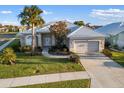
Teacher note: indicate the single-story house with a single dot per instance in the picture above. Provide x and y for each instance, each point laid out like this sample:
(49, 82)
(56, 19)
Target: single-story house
(80, 39)
(114, 33)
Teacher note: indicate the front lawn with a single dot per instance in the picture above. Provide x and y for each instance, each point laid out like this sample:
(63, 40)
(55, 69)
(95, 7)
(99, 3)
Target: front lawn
(118, 57)
(34, 65)
(81, 83)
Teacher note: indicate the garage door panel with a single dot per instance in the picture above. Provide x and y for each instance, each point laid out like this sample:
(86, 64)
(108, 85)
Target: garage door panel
(81, 47)
(86, 46)
(93, 46)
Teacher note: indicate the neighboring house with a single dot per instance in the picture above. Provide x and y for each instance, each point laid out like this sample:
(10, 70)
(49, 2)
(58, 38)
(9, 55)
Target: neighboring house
(80, 39)
(4, 29)
(114, 33)
(22, 28)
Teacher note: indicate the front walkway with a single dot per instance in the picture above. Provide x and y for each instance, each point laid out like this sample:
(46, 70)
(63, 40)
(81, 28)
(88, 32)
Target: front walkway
(45, 53)
(39, 79)
(6, 44)
(104, 72)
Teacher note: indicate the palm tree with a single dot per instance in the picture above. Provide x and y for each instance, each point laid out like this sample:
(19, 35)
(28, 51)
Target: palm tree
(30, 16)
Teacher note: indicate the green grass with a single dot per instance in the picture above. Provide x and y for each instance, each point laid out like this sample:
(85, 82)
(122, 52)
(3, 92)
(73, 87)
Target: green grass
(118, 57)
(8, 32)
(29, 65)
(81, 83)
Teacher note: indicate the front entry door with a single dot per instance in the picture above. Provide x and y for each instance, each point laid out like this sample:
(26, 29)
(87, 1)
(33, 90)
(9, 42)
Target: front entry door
(47, 41)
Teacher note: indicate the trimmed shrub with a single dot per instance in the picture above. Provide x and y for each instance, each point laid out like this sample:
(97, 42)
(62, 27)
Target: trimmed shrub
(74, 58)
(26, 49)
(15, 45)
(63, 50)
(107, 44)
(107, 52)
(123, 47)
(115, 47)
(8, 56)
(16, 48)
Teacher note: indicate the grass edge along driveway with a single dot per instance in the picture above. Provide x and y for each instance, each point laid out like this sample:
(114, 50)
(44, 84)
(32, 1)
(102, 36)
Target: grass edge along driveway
(118, 57)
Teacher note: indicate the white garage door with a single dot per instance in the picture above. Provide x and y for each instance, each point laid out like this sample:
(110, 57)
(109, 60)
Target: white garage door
(87, 46)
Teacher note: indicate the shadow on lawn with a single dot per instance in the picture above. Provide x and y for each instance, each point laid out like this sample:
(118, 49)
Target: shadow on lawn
(43, 62)
(112, 64)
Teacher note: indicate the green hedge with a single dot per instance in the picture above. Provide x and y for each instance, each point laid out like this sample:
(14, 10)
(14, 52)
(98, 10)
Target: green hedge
(15, 45)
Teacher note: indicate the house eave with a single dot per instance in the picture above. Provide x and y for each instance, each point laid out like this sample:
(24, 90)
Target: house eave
(97, 37)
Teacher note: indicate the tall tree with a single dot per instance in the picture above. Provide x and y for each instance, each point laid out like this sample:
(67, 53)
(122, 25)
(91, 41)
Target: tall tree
(30, 16)
(59, 30)
(79, 23)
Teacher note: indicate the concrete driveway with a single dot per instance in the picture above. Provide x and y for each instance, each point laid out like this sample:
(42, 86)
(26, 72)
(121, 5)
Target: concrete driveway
(104, 72)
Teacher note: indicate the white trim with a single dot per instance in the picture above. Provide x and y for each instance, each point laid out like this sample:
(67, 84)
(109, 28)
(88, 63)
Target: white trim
(75, 31)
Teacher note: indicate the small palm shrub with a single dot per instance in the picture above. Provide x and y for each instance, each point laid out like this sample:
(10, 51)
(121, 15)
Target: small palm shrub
(74, 58)
(8, 56)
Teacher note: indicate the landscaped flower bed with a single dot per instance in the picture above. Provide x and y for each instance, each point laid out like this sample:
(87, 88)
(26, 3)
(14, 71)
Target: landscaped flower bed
(118, 57)
(115, 55)
(54, 50)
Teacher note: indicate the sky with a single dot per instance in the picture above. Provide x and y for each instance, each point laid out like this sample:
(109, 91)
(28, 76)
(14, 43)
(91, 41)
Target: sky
(94, 14)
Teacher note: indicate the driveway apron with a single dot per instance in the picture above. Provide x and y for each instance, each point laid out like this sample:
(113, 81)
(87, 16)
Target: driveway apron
(104, 72)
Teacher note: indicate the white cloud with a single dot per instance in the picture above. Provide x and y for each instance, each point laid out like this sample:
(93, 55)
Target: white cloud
(47, 12)
(5, 12)
(111, 15)
(67, 19)
(70, 20)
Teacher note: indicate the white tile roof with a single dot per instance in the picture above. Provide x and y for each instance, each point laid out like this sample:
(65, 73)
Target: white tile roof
(45, 29)
(84, 32)
(113, 28)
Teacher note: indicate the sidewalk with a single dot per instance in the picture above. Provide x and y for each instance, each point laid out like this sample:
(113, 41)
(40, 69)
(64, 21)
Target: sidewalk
(39, 79)
(6, 44)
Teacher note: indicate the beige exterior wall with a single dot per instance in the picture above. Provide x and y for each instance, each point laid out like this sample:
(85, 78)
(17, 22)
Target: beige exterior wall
(72, 45)
(23, 39)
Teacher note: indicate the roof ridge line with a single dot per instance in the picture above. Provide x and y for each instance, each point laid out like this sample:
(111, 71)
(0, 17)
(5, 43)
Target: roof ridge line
(75, 31)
